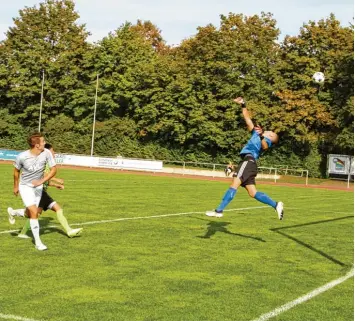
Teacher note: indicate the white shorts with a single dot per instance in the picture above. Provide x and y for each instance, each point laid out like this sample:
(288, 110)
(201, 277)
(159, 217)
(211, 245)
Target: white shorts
(30, 195)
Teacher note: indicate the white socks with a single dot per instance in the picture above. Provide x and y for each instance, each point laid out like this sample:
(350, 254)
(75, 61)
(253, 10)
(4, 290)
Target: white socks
(35, 230)
(19, 212)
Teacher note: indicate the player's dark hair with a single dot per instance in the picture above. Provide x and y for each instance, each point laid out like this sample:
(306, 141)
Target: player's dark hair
(47, 146)
(34, 139)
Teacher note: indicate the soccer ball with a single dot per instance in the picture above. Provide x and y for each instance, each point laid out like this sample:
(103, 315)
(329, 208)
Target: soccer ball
(318, 77)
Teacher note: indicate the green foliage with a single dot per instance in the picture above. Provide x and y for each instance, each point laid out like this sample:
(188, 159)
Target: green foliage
(12, 134)
(313, 161)
(322, 46)
(154, 101)
(44, 42)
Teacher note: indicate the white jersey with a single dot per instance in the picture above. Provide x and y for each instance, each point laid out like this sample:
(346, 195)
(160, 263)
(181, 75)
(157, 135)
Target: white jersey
(33, 166)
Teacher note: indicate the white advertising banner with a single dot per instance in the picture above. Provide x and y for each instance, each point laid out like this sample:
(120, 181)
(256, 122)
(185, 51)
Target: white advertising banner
(79, 160)
(105, 162)
(141, 164)
(110, 162)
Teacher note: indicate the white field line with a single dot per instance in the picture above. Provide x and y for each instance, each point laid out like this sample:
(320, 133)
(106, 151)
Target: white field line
(14, 317)
(144, 217)
(176, 214)
(305, 297)
(9, 231)
(264, 317)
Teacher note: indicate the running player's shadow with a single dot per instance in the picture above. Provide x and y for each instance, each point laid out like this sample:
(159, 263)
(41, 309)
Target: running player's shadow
(45, 227)
(213, 227)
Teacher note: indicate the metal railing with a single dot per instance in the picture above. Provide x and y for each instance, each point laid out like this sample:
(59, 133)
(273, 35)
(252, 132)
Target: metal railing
(274, 171)
(277, 171)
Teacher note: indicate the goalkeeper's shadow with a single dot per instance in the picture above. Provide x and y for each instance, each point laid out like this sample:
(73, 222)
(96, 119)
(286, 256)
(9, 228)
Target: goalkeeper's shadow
(220, 226)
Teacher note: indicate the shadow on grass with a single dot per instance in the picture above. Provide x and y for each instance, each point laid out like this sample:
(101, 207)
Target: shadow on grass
(280, 230)
(213, 227)
(45, 228)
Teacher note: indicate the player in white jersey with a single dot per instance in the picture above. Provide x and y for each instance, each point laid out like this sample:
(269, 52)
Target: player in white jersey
(29, 178)
(46, 203)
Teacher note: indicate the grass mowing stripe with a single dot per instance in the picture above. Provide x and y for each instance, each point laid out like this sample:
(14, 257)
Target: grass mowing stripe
(14, 317)
(306, 297)
(144, 217)
(318, 211)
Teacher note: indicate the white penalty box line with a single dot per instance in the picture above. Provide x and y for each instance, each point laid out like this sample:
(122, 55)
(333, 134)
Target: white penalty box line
(189, 213)
(263, 317)
(14, 317)
(145, 217)
(306, 297)
(161, 216)
(284, 307)
(175, 214)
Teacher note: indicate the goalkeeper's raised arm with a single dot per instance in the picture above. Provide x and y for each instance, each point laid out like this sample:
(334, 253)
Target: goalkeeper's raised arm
(245, 112)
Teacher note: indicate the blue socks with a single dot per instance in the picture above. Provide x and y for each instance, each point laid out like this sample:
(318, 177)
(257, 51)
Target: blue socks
(229, 195)
(227, 198)
(263, 198)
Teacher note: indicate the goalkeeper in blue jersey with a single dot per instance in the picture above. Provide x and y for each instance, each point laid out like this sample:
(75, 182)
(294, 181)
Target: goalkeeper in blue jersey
(46, 203)
(247, 168)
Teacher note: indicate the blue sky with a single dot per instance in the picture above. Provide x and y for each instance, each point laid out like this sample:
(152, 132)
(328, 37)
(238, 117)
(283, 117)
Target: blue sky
(179, 19)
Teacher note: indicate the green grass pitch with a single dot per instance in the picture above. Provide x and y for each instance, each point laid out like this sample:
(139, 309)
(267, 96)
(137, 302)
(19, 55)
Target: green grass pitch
(148, 252)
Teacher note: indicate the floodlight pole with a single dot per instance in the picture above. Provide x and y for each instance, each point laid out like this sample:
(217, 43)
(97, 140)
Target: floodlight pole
(93, 125)
(40, 108)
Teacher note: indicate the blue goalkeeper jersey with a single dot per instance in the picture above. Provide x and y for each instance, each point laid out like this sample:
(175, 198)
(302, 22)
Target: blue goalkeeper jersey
(253, 146)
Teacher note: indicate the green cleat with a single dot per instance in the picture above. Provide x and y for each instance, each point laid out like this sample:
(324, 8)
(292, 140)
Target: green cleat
(23, 236)
(75, 232)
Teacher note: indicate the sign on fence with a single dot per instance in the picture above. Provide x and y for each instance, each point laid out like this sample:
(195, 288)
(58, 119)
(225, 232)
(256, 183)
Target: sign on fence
(8, 154)
(106, 162)
(340, 164)
(88, 161)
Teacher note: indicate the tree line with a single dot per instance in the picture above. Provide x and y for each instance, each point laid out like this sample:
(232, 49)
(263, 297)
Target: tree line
(175, 103)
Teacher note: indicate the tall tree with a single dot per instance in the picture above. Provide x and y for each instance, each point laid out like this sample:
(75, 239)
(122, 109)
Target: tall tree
(216, 65)
(45, 40)
(124, 61)
(151, 33)
(319, 111)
